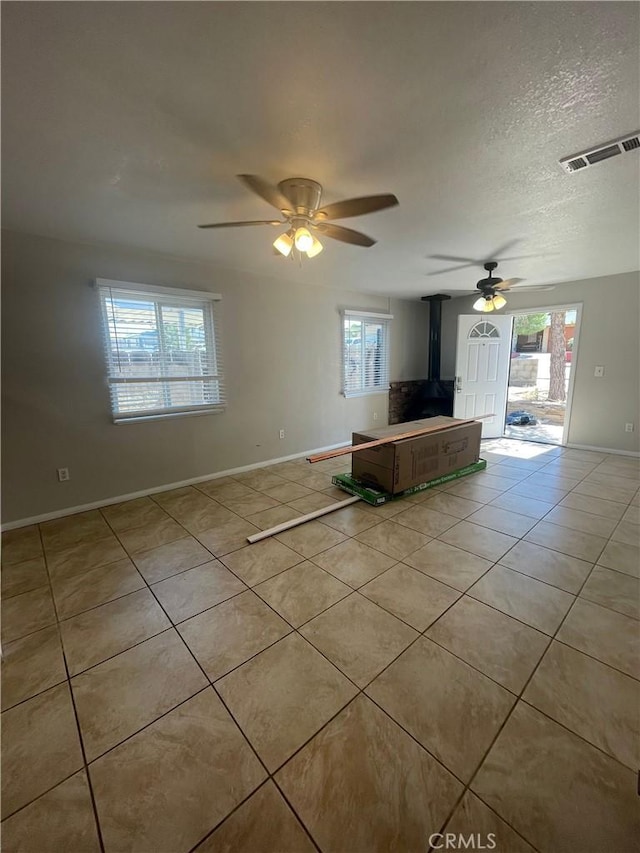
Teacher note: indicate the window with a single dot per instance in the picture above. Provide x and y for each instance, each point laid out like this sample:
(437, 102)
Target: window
(484, 330)
(162, 351)
(365, 352)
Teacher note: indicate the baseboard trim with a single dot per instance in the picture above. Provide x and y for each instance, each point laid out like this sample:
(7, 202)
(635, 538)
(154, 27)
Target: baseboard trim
(633, 453)
(73, 510)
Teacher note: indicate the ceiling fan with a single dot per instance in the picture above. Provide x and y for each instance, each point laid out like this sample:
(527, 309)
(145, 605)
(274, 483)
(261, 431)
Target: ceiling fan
(492, 288)
(298, 200)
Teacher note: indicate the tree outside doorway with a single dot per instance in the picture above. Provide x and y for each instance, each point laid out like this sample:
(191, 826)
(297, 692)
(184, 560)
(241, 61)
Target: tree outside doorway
(557, 350)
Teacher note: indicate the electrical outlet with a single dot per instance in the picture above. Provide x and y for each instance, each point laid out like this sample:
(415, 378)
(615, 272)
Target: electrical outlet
(375, 416)
(63, 475)
(628, 427)
(281, 433)
(599, 371)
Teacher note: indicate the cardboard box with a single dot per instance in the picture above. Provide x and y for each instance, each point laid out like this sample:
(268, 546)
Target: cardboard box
(405, 463)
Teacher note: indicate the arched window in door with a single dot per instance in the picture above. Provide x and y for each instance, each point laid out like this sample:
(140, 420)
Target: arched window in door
(484, 329)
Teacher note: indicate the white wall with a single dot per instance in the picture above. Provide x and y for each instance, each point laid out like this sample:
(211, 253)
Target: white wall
(609, 335)
(281, 347)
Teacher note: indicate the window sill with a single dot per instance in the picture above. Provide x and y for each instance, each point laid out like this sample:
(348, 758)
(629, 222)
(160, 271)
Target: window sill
(137, 419)
(367, 393)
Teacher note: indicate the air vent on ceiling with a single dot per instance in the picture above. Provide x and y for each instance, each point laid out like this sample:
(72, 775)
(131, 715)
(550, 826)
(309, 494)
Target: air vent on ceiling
(596, 155)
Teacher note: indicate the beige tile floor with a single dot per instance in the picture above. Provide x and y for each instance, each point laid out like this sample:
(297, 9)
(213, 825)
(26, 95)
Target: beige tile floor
(464, 661)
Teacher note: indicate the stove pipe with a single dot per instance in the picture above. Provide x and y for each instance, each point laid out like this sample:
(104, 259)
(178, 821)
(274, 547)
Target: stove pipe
(435, 333)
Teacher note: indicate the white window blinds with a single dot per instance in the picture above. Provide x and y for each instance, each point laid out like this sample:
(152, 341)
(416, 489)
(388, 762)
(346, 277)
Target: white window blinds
(162, 350)
(365, 352)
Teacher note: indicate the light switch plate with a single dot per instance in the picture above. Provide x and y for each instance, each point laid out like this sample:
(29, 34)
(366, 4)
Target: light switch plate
(599, 371)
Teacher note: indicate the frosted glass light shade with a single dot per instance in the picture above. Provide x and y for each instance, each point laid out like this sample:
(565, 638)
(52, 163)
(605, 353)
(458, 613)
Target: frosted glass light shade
(499, 301)
(284, 244)
(478, 305)
(303, 240)
(316, 248)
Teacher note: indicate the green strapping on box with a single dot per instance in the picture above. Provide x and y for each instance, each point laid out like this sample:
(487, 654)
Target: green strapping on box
(376, 497)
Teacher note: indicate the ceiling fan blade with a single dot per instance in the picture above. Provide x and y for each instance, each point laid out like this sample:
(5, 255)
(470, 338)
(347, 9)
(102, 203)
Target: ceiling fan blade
(451, 269)
(528, 288)
(270, 194)
(468, 262)
(516, 258)
(472, 262)
(248, 222)
(346, 235)
(507, 284)
(356, 206)
(496, 254)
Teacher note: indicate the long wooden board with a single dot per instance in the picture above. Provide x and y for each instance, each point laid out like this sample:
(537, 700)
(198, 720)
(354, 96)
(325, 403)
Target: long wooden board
(287, 525)
(367, 445)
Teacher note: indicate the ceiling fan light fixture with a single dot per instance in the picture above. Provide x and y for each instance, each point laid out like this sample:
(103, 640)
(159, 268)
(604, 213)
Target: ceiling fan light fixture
(499, 301)
(284, 244)
(315, 249)
(489, 302)
(303, 239)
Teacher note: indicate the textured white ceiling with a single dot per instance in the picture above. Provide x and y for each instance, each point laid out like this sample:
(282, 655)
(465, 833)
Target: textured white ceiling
(126, 123)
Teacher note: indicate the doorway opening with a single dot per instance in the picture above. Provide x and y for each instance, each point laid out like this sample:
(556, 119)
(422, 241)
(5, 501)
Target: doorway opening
(543, 350)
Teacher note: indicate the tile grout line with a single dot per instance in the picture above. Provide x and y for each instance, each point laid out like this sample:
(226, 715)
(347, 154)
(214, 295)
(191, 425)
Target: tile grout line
(290, 804)
(75, 709)
(264, 783)
(600, 749)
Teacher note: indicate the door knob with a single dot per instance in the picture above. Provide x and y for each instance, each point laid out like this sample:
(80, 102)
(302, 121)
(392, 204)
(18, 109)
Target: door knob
(458, 384)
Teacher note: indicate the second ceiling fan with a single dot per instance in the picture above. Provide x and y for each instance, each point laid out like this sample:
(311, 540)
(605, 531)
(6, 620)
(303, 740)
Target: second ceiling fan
(492, 288)
(298, 200)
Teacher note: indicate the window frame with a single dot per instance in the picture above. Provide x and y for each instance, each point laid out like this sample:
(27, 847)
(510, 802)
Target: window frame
(163, 297)
(378, 318)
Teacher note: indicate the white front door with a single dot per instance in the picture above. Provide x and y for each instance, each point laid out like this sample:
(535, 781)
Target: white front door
(482, 370)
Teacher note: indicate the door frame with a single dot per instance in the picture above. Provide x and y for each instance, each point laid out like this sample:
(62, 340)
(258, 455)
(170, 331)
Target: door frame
(549, 309)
